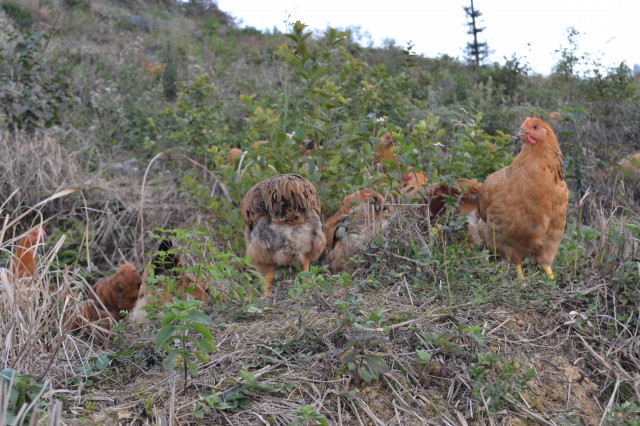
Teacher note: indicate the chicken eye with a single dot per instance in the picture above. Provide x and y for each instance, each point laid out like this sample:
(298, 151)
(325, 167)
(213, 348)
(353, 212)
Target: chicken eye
(535, 127)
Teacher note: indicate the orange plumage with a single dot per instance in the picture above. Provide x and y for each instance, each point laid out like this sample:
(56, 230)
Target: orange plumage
(384, 154)
(466, 191)
(522, 208)
(24, 264)
(356, 223)
(110, 296)
(282, 224)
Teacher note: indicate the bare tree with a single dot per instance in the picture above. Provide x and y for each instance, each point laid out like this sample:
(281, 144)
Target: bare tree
(477, 51)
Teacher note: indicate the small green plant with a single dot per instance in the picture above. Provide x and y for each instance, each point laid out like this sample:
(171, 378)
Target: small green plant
(95, 369)
(309, 284)
(237, 398)
(306, 415)
(625, 414)
(22, 17)
(497, 380)
(184, 336)
(21, 391)
(33, 90)
(358, 357)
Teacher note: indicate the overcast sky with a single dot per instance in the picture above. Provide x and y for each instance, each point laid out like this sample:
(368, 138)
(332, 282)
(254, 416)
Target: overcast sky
(530, 30)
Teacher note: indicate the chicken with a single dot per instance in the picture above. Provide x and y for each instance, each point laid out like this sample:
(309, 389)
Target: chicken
(467, 191)
(384, 153)
(111, 295)
(522, 208)
(436, 195)
(168, 279)
(23, 265)
(412, 181)
(356, 223)
(282, 225)
(233, 155)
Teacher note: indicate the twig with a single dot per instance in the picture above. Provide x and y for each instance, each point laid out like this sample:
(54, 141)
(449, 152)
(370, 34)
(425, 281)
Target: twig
(595, 354)
(406, 284)
(383, 329)
(610, 404)
(493, 330)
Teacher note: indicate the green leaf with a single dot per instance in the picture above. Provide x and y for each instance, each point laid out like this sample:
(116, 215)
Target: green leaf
(102, 362)
(366, 375)
(201, 317)
(423, 356)
(202, 329)
(206, 346)
(347, 355)
(169, 363)
(168, 317)
(376, 363)
(164, 334)
(247, 376)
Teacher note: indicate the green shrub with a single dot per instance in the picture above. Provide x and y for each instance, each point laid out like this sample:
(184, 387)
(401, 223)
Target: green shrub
(22, 17)
(83, 5)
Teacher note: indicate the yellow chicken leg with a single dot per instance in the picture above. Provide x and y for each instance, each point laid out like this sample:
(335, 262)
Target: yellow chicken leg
(519, 271)
(547, 270)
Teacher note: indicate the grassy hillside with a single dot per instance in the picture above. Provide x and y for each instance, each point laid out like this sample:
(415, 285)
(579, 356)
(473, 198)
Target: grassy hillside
(116, 121)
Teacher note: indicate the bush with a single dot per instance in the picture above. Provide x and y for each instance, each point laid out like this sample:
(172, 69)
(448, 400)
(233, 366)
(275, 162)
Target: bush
(22, 17)
(83, 5)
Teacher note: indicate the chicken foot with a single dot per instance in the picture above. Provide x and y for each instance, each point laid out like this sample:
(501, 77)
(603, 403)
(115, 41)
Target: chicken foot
(547, 270)
(267, 272)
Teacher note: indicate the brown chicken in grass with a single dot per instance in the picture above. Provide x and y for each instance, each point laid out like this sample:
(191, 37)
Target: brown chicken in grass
(110, 296)
(436, 196)
(282, 225)
(466, 192)
(24, 264)
(522, 208)
(362, 215)
(384, 154)
(169, 280)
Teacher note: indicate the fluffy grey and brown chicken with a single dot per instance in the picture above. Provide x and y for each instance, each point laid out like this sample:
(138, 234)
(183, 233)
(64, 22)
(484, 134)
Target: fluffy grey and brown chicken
(282, 225)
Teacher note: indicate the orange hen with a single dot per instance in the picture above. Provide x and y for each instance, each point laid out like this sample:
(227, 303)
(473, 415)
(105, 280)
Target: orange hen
(356, 223)
(522, 208)
(111, 295)
(282, 225)
(24, 264)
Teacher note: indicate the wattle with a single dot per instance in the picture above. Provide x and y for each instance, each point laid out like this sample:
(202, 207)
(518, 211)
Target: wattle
(531, 140)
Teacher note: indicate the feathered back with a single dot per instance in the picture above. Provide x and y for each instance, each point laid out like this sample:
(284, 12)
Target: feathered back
(119, 291)
(287, 198)
(364, 205)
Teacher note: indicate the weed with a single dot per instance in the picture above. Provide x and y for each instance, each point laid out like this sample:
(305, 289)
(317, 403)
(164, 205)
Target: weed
(180, 319)
(360, 361)
(21, 394)
(496, 381)
(307, 415)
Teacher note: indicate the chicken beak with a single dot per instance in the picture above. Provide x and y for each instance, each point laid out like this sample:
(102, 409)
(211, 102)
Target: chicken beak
(521, 132)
